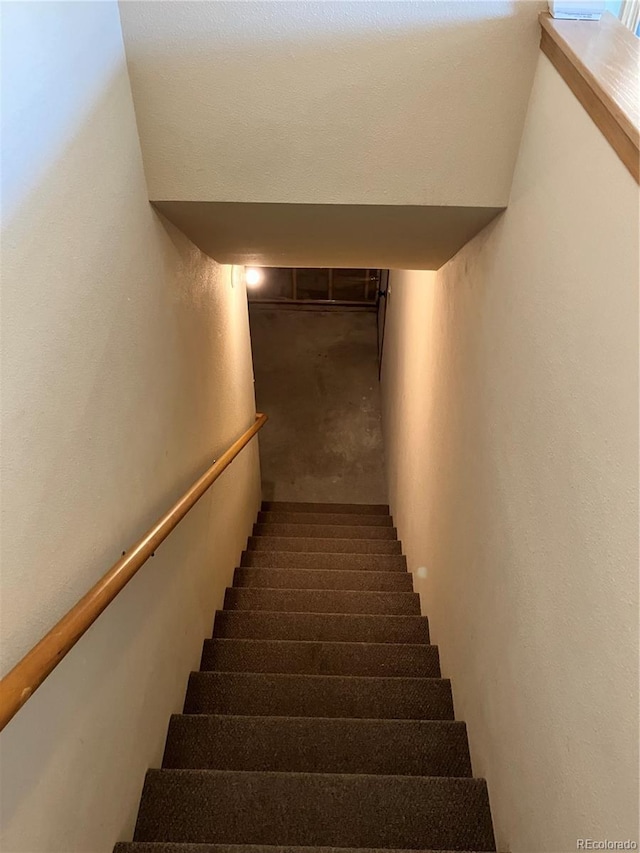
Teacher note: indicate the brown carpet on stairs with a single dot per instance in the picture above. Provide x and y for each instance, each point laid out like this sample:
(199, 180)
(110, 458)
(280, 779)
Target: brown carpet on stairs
(319, 721)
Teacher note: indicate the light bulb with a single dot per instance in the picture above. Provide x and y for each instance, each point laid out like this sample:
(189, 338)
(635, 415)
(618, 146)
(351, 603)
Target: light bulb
(252, 276)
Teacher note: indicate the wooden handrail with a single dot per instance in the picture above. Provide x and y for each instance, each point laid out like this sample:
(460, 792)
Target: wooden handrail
(599, 61)
(27, 675)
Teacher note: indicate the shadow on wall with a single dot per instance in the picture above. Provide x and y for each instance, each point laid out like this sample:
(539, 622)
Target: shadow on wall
(32, 64)
(316, 375)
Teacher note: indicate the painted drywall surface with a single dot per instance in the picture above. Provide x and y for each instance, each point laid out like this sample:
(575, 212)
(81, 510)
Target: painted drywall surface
(331, 103)
(510, 413)
(317, 377)
(325, 235)
(126, 369)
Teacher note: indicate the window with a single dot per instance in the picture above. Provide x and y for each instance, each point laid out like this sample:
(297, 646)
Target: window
(304, 284)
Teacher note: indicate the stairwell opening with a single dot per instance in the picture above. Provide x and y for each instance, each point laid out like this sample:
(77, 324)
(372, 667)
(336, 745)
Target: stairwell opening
(314, 337)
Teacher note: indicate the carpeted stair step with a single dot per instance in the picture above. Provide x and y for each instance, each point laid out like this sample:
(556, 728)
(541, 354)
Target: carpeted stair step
(348, 519)
(321, 658)
(322, 601)
(318, 745)
(350, 562)
(306, 808)
(327, 546)
(268, 694)
(335, 579)
(318, 722)
(336, 627)
(177, 847)
(325, 531)
(303, 506)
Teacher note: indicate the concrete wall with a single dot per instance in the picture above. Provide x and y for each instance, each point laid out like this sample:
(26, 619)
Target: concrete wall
(126, 368)
(317, 378)
(392, 103)
(510, 406)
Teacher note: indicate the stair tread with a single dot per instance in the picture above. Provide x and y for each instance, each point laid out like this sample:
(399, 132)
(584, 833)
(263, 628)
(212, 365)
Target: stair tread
(324, 560)
(304, 695)
(322, 600)
(329, 545)
(336, 579)
(330, 809)
(318, 744)
(348, 627)
(324, 531)
(320, 657)
(307, 506)
(343, 518)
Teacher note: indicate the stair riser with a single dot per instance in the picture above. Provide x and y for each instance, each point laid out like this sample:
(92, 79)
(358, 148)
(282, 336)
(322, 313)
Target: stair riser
(325, 531)
(349, 562)
(314, 579)
(347, 519)
(348, 811)
(358, 659)
(323, 601)
(316, 745)
(337, 627)
(352, 509)
(256, 694)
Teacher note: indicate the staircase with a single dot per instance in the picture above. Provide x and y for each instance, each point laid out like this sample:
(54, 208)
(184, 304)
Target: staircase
(318, 718)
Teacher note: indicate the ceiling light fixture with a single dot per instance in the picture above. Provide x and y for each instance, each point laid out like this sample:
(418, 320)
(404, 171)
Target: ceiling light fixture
(253, 276)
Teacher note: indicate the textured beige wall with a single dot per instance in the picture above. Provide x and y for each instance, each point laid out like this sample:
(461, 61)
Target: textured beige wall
(126, 368)
(390, 103)
(510, 412)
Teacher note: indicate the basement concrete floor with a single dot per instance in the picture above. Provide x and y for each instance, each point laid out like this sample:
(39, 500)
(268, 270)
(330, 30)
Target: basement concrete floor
(316, 376)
